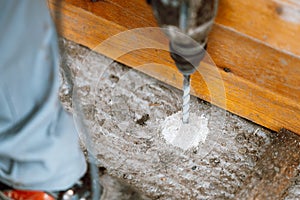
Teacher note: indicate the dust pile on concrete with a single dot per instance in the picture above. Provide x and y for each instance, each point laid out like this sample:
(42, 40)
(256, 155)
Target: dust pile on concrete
(185, 136)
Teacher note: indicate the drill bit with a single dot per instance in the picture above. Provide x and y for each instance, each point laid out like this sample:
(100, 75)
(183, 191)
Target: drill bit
(186, 99)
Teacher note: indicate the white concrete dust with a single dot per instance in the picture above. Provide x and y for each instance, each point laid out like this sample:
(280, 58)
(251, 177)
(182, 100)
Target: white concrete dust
(185, 136)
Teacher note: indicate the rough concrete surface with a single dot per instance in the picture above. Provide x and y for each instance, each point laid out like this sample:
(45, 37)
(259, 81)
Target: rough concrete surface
(119, 113)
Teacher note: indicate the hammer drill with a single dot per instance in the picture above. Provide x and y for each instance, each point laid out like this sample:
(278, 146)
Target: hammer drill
(187, 24)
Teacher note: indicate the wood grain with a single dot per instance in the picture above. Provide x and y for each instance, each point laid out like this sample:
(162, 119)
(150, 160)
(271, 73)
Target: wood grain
(273, 22)
(255, 77)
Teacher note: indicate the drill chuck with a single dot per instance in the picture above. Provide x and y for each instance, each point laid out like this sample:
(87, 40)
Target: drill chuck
(187, 23)
(186, 63)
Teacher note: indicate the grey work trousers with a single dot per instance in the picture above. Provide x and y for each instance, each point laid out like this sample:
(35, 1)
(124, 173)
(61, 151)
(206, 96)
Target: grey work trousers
(39, 147)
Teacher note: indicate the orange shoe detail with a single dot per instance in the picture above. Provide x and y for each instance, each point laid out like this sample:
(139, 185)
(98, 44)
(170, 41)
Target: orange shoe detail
(27, 195)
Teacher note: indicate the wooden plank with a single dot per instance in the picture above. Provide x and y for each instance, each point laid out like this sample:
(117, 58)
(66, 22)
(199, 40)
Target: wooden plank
(259, 19)
(256, 62)
(261, 83)
(123, 13)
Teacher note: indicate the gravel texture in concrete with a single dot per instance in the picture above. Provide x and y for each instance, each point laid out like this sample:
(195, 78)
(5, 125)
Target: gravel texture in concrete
(120, 114)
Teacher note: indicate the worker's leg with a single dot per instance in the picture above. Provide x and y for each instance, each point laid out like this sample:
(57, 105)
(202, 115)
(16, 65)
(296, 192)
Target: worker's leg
(38, 143)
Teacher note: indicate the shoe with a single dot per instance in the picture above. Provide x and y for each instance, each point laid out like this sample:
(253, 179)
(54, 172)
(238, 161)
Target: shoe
(83, 189)
(24, 195)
